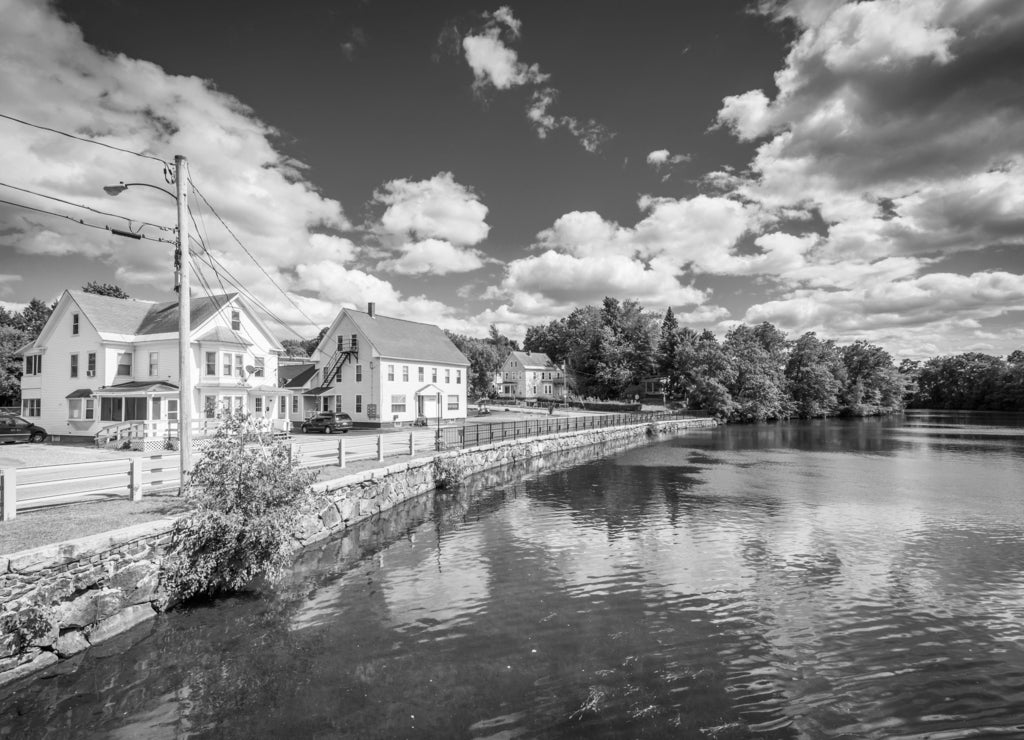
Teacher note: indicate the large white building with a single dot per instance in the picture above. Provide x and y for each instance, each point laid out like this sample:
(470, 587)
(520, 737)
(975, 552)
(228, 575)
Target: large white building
(382, 370)
(100, 361)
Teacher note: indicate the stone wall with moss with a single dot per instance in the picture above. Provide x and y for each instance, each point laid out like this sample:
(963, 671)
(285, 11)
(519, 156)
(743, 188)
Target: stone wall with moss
(58, 600)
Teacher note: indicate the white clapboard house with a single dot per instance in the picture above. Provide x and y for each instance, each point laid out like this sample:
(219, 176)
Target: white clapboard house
(103, 362)
(382, 370)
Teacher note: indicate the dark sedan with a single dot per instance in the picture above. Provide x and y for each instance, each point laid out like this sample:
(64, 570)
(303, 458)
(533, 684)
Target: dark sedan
(16, 429)
(328, 423)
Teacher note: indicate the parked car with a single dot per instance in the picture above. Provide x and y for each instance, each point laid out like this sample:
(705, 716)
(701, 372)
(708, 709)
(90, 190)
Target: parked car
(328, 423)
(15, 429)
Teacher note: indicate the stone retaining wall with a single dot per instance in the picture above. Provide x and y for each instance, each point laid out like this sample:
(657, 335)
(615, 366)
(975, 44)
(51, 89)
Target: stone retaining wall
(58, 600)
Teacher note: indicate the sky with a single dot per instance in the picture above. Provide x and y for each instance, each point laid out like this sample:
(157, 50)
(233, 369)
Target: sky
(855, 169)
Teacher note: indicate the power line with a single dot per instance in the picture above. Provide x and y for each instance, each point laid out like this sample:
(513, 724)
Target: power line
(81, 138)
(216, 273)
(255, 261)
(214, 264)
(87, 208)
(82, 222)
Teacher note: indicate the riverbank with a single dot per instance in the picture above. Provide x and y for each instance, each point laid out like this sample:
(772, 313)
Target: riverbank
(60, 599)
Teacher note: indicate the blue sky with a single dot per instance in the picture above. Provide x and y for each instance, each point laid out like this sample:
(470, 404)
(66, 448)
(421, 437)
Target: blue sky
(853, 169)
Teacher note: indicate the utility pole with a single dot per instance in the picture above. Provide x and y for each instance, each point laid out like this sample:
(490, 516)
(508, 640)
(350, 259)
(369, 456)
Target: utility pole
(184, 324)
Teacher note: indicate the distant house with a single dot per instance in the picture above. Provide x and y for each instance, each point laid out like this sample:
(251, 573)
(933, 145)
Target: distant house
(531, 376)
(101, 361)
(382, 370)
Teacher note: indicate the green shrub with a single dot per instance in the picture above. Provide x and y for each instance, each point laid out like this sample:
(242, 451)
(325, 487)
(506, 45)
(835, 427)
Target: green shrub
(448, 471)
(248, 496)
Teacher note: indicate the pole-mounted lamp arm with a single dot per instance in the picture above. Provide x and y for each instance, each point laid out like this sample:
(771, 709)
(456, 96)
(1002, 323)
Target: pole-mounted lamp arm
(118, 189)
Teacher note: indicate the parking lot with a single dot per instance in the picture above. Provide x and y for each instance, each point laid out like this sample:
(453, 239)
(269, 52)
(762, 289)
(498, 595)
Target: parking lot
(60, 453)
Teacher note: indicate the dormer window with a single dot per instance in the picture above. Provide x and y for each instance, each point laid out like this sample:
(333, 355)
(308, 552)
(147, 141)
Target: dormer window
(74, 323)
(236, 320)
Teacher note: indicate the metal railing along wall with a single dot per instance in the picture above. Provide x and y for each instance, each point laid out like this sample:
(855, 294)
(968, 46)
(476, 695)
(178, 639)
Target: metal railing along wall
(474, 435)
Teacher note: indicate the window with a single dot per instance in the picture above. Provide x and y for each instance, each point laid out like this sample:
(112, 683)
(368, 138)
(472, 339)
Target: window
(211, 363)
(341, 343)
(419, 373)
(156, 408)
(448, 375)
(74, 365)
(239, 370)
(398, 403)
(259, 404)
(325, 404)
(172, 409)
(91, 367)
(338, 375)
(30, 406)
(33, 364)
(209, 406)
(260, 366)
(359, 404)
(453, 403)
(338, 406)
(405, 373)
(355, 343)
(124, 363)
(295, 404)
(154, 364)
(236, 321)
(458, 377)
(359, 373)
(80, 408)
(111, 409)
(391, 372)
(239, 403)
(226, 369)
(433, 375)
(74, 323)
(283, 406)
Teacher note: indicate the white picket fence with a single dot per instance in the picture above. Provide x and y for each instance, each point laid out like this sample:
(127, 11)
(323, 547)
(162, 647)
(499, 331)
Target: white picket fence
(32, 487)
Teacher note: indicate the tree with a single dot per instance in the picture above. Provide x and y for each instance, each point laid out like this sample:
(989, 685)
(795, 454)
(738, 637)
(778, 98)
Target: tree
(758, 355)
(33, 318)
(310, 345)
(873, 384)
(814, 376)
(107, 289)
(11, 339)
(295, 347)
(668, 342)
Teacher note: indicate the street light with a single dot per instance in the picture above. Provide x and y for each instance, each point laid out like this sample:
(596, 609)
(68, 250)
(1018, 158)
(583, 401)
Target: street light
(184, 308)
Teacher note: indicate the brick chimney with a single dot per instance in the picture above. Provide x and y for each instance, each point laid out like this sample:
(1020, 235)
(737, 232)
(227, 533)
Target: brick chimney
(371, 308)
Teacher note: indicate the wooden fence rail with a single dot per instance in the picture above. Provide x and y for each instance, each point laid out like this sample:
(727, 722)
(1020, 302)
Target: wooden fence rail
(33, 487)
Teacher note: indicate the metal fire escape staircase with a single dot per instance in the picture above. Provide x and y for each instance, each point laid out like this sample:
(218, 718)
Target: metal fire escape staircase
(343, 354)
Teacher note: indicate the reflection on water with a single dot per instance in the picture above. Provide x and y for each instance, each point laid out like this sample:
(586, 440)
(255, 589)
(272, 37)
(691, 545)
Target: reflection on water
(837, 579)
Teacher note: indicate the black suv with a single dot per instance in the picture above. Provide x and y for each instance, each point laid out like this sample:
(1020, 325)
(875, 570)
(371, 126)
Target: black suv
(328, 423)
(15, 429)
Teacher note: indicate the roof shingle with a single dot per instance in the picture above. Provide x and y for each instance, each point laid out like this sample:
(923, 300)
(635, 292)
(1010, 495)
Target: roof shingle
(407, 340)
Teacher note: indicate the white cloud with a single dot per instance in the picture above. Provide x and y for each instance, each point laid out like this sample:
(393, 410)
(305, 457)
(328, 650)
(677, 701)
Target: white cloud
(663, 157)
(496, 65)
(438, 208)
(434, 257)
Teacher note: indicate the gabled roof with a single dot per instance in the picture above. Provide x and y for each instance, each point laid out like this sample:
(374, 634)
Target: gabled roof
(128, 316)
(407, 340)
(222, 335)
(295, 376)
(533, 360)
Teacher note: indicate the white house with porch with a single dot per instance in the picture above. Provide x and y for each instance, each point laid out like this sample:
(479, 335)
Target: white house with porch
(102, 361)
(381, 370)
(531, 376)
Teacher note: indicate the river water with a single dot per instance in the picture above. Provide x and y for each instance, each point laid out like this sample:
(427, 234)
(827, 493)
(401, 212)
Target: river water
(825, 579)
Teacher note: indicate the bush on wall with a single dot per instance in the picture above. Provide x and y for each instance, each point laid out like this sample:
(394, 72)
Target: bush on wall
(248, 496)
